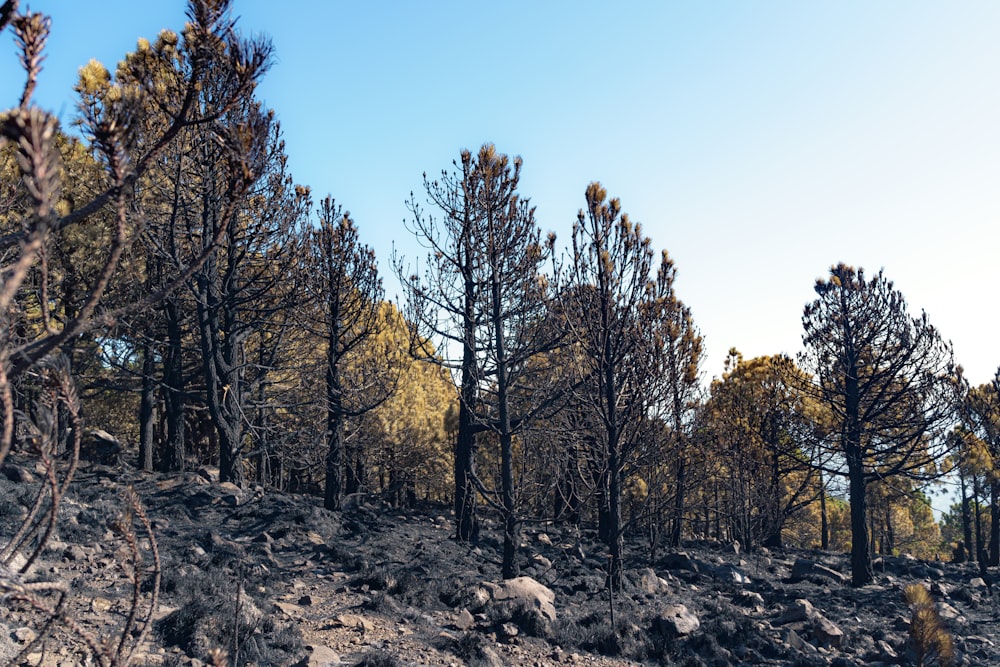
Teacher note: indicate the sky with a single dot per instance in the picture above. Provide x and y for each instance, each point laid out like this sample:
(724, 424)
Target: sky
(759, 143)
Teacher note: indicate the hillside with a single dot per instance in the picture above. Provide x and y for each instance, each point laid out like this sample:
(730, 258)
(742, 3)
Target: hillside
(274, 579)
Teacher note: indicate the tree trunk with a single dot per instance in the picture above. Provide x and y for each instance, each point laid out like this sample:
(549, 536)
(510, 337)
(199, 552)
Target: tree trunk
(824, 527)
(861, 563)
(679, 502)
(333, 488)
(994, 559)
(966, 518)
(172, 459)
(147, 409)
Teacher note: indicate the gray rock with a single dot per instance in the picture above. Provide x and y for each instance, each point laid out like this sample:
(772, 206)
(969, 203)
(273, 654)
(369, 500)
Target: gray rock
(464, 620)
(803, 569)
(528, 591)
(798, 611)
(649, 583)
(319, 656)
(826, 632)
(680, 561)
(676, 620)
(730, 574)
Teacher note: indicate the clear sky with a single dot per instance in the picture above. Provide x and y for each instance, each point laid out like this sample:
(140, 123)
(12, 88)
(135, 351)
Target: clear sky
(759, 143)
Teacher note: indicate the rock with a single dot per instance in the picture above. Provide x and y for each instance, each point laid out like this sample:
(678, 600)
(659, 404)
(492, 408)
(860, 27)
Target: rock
(949, 613)
(292, 610)
(680, 561)
(543, 538)
(25, 635)
(798, 611)
(319, 656)
(526, 590)
(508, 631)
(231, 494)
(16, 473)
(826, 632)
(795, 640)
(208, 473)
(885, 651)
(977, 582)
(803, 569)
(464, 620)
(730, 574)
(100, 447)
(354, 621)
(100, 605)
(649, 583)
(75, 553)
(675, 621)
(541, 561)
(750, 599)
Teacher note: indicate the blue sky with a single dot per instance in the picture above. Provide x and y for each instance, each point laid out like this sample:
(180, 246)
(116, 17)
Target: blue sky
(759, 143)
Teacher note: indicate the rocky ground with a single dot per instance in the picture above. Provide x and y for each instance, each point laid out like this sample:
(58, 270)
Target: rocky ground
(264, 578)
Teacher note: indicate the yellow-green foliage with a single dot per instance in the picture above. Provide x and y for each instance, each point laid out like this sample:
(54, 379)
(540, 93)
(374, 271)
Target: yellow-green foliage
(932, 642)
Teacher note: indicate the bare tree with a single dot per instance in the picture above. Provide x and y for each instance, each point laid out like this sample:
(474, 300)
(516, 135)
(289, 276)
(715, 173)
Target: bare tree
(626, 325)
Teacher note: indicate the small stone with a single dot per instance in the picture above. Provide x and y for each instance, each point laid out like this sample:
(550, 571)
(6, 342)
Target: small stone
(25, 635)
(508, 631)
(100, 605)
(464, 620)
(541, 561)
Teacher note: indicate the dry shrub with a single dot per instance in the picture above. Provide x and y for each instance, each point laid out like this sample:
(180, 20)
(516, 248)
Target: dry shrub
(932, 643)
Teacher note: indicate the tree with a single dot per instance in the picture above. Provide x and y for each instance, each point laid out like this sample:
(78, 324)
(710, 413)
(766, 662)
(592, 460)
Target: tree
(626, 325)
(442, 305)
(890, 382)
(981, 414)
(759, 420)
(345, 295)
(497, 249)
(33, 220)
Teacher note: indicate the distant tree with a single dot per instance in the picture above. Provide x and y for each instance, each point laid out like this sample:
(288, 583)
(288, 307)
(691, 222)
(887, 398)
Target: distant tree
(981, 413)
(890, 382)
(758, 419)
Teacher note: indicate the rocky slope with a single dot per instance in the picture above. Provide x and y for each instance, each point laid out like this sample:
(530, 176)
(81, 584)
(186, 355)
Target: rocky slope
(264, 578)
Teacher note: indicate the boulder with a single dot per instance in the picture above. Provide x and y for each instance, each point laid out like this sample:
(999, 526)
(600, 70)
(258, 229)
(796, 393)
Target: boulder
(100, 447)
(16, 473)
(803, 569)
(680, 561)
(675, 621)
(527, 591)
(826, 632)
(730, 574)
(798, 611)
(647, 581)
(319, 656)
